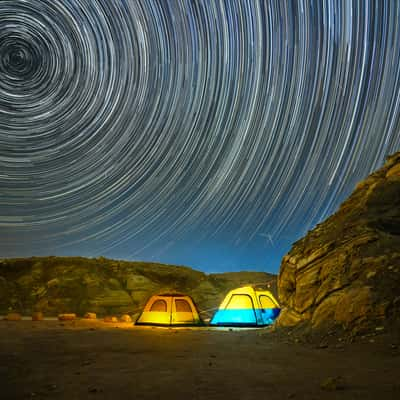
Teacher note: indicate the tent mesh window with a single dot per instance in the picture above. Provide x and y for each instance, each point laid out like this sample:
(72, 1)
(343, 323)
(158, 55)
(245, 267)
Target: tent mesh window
(159, 306)
(182, 306)
(240, 301)
(266, 302)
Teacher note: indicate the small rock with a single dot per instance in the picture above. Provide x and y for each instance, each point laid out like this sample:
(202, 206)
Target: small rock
(380, 328)
(322, 346)
(291, 395)
(13, 317)
(333, 383)
(37, 316)
(66, 317)
(371, 340)
(394, 346)
(90, 315)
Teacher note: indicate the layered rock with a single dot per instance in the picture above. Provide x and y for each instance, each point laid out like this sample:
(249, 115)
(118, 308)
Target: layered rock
(56, 285)
(346, 271)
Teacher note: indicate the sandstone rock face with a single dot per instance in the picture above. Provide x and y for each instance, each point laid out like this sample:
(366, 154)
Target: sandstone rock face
(346, 272)
(111, 298)
(134, 282)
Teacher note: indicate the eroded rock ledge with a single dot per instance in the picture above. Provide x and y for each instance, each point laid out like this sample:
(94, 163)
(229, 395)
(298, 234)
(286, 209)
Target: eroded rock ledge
(346, 272)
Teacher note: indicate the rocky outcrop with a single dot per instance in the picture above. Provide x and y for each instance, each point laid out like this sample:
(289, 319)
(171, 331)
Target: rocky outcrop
(346, 272)
(57, 285)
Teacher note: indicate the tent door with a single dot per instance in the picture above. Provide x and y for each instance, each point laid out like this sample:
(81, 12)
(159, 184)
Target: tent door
(268, 308)
(159, 312)
(182, 312)
(240, 310)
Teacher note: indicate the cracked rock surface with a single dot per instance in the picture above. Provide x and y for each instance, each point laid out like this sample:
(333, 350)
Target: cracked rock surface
(346, 272)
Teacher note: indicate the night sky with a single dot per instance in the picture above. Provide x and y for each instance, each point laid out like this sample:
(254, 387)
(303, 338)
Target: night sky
(204, 133)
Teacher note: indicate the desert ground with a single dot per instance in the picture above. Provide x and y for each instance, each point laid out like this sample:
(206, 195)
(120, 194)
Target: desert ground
(96, 360)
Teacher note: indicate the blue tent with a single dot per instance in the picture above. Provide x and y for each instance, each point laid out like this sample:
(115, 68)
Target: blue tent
(247, 307)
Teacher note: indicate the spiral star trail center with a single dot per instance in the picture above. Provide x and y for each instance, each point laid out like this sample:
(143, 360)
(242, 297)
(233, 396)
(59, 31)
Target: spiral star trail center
(189, 132)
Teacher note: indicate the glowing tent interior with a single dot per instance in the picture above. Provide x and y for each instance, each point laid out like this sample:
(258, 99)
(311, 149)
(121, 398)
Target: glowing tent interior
(247, 306)
(169, 309)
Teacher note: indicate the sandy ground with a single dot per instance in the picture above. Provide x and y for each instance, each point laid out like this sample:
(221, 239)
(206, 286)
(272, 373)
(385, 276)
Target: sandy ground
(95, 360)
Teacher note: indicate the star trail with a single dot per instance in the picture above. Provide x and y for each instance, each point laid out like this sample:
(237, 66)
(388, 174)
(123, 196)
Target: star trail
(207, 133)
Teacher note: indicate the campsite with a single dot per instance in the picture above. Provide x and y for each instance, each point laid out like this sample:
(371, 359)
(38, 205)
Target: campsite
(199, 199)
(91, 359)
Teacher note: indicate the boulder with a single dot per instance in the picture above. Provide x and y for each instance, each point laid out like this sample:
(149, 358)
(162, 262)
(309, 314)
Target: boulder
(37, 316)
(13, 317)
(90, 315)
(125, 318)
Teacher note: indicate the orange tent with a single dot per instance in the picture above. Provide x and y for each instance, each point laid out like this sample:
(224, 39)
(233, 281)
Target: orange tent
(169, 309)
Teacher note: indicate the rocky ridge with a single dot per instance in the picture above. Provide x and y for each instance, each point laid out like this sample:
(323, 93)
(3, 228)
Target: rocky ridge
(345, 273)
(54, 285)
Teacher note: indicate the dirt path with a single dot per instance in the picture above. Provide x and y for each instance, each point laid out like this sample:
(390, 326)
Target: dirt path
(93, 360)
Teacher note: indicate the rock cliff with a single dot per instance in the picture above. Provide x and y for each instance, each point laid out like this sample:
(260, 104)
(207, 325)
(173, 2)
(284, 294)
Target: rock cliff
(346, 272)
